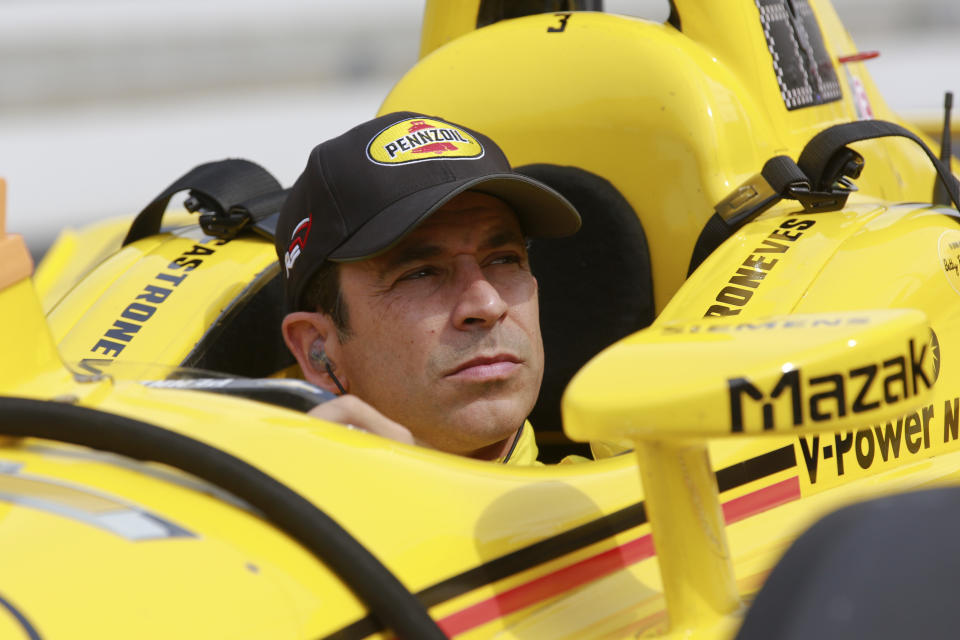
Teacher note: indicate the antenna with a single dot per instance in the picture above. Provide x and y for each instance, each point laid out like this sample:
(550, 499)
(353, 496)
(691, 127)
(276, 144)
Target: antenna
(945, 138)
(940, 195)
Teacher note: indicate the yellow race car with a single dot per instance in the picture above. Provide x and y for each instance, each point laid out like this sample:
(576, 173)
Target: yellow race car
(773, 256)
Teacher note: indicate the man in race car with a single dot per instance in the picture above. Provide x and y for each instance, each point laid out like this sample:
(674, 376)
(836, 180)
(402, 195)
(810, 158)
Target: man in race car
(403, 252)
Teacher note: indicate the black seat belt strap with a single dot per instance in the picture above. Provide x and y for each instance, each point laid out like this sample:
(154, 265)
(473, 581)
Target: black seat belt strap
(753, 197)
(818, 179)
(816, 156)
(215, 186)
(259, 214)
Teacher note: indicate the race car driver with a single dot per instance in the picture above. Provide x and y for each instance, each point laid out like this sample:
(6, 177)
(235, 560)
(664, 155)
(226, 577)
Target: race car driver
(403, 251)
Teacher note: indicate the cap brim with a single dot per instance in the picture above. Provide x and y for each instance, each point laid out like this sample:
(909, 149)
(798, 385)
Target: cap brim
(542, 212)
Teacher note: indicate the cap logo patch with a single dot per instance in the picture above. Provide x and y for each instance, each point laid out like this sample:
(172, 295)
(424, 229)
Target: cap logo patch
(422, 139)
(297, 240)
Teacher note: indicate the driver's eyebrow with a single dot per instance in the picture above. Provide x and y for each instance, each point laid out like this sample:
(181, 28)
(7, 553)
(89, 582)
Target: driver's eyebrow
(501, 237)
(407, 255)
(418, 252)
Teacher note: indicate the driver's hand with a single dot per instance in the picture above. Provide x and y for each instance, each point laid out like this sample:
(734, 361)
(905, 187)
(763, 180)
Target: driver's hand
(353, 412)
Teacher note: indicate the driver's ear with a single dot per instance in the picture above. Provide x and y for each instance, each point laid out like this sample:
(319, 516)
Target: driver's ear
(307, 335)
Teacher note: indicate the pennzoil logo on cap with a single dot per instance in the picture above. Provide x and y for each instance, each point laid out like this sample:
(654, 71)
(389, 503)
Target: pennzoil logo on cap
(420, 139)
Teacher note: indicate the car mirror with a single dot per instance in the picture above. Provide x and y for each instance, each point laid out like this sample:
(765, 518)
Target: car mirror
(789, 374)
(671, 387)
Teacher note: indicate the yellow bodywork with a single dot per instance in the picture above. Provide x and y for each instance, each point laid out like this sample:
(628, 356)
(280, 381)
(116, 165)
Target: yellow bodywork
(674, 120)
(93, 544)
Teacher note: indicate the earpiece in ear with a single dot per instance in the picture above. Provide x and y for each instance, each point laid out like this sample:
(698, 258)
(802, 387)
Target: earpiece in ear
(318, 355)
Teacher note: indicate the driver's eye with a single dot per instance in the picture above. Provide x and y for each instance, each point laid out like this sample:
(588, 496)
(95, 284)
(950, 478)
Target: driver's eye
(417, 274)
(507, 259)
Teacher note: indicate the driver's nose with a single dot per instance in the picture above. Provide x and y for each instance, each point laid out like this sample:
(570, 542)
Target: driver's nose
(479, 303)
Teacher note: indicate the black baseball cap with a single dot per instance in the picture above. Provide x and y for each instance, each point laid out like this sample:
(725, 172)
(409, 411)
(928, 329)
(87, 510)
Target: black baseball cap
(363, 191)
